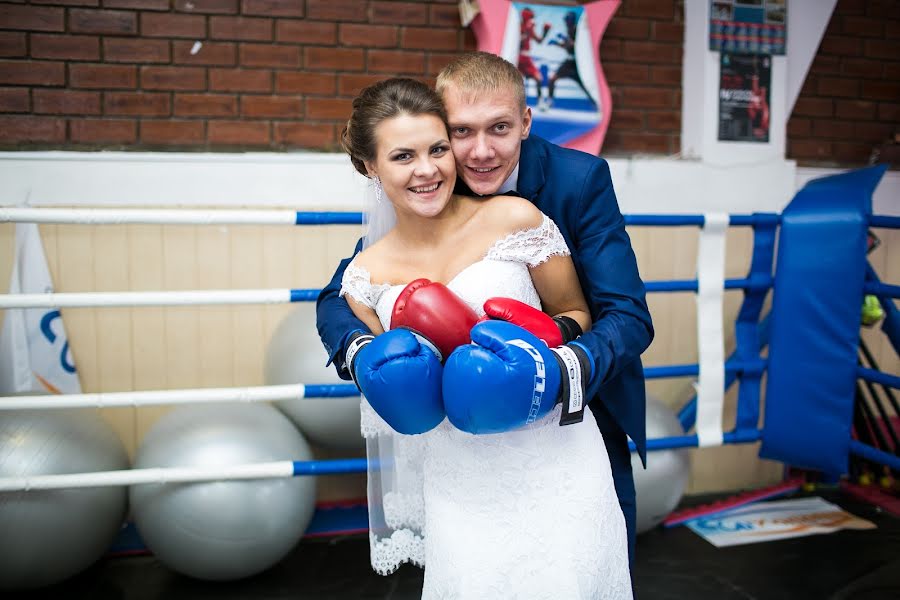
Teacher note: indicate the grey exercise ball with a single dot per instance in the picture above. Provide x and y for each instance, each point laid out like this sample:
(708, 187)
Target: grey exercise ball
(222, 530)
(296, 355)
(659, 488)
(47, 536)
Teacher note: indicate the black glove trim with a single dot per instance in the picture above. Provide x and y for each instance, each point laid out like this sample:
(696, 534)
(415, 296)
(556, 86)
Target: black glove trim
(573, 364)
(358, 341)
(568, 327)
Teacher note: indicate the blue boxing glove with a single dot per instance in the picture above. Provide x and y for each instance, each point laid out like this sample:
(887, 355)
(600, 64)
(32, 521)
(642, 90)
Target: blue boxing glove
(507, 378)
(400, 378)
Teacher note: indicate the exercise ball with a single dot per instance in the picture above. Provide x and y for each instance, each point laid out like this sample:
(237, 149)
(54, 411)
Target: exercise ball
(660, 486)
(222, 530)
(296, 355)
(47, 536)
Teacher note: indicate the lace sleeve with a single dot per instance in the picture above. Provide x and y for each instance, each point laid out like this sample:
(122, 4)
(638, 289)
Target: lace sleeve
(531, 246)
(357, 283)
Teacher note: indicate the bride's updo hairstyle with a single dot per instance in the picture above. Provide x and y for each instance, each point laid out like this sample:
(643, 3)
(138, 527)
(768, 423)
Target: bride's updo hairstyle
(384, 100)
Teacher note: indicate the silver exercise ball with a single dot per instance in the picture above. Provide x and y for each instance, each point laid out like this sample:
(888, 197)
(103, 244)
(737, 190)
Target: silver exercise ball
(659, 488)
(296, 355)
(47, 536)
(222, 530)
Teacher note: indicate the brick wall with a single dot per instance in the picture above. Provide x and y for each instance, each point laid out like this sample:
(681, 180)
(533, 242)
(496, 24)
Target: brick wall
(850, 102)
(273, 74)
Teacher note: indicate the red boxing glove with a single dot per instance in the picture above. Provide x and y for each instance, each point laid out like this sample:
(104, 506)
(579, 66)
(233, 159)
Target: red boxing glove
(526, 317)
(435, 313)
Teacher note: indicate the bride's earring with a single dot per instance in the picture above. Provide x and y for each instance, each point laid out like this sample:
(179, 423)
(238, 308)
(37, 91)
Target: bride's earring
(379, 190)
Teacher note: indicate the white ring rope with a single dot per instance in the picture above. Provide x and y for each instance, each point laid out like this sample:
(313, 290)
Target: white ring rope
(122, 216)
(177, 298)
(270, 393)
(154, 475)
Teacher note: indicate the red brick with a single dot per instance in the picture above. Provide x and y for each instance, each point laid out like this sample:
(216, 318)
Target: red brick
(892, 70)
(880, 90)
(469, 44)
(852, 152)
(883, 9)
(240, 80)
(14, 100)
(339, 59)
(305, 135)
(625, 73)
(814, 107)
(647, 97)
(352, 84)
(648, 8)
(239, 133)
(799, 127)
(138, 4)
(424, 38)
(173, 78)
(667, 32)
(28, 72)
(838, 87)
(610, 49)
(240, 28)
(887, 49)
(444, 16)
(298, 82)
(67, 47)
(66, 2)
(272, 8)
(66, 102)
(650, 52)
(172, 132)
(829, 128)
(626, 119)
(109, 22)
(212, 7)
(135, 50)
(655, 143)
(370, 36)
(32, 18)
(841, 46)
(98, 76)
(24, 129)
(665, 121)
(873, 131)
(665, 74)
(854, 109)
(328, 108)
(97, 131)
(889, 111)
(169, 25)
(396, 62)
(205, 105)
(222, 54)
(277, 107)
(851, 7)
(866, 27)
(267, 55)
(12, 44)
(810, 86)
(826, 65)
(810, 149)
(625, 28)
(860, 67)
(336, 10)
(305, 32)
(136, 103)
(399, 13)
(436, 61)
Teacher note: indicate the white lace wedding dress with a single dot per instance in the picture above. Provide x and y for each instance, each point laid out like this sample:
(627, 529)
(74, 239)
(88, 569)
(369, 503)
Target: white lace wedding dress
(528, 514)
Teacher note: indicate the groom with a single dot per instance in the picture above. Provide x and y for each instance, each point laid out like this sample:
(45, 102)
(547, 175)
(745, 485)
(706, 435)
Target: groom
(489, 135)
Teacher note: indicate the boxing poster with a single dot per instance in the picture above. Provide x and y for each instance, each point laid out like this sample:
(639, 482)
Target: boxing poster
(744, 97)
(748, 26)
(556, 49)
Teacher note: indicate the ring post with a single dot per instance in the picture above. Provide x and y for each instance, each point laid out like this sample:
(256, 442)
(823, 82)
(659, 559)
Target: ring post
(819, 279)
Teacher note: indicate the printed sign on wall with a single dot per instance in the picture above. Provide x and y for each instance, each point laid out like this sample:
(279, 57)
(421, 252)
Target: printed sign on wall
(744, 97)
(750, 26)
(556, 49)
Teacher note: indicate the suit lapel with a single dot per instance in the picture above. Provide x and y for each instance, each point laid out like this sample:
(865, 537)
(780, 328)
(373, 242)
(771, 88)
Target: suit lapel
(531, 169)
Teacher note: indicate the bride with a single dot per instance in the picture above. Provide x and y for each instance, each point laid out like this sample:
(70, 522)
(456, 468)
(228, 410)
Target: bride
(530, 513)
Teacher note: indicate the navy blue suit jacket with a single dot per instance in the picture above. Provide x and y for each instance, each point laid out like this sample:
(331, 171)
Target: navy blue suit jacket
(575, 190)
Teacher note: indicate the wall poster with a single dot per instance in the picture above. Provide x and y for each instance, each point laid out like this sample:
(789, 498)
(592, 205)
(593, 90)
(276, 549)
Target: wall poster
(744, 97)
(750, 26)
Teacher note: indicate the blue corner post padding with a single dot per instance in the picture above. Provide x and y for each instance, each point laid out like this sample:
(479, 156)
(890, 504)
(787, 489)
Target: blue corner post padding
(819, 277)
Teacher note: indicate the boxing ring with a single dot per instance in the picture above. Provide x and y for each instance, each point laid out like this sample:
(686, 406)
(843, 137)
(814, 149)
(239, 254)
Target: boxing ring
(812, 256)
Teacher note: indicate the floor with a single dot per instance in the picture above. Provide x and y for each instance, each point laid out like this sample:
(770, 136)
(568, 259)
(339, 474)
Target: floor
(671, 564)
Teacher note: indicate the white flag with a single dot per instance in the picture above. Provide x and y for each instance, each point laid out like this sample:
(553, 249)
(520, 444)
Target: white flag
(34, 349)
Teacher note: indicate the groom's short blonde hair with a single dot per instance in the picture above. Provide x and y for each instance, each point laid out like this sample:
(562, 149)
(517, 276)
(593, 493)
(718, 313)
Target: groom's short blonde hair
(476, 72)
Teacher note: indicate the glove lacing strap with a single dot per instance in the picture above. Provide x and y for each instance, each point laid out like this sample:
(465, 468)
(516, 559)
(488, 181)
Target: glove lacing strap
(574, 366)
(358, 341)
(568, 328)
